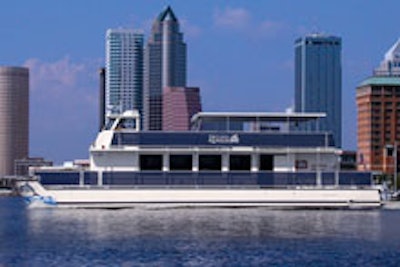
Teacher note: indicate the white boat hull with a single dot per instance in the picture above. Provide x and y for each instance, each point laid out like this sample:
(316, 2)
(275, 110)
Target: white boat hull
(221, 197)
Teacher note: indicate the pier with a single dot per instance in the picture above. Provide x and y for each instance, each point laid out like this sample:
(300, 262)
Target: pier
(7, 185)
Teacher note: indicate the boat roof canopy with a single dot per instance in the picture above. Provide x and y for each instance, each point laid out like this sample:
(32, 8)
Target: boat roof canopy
(230, 119)
(259, 116)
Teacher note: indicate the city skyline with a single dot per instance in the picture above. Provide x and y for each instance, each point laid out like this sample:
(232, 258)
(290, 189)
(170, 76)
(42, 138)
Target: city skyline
(240, 55)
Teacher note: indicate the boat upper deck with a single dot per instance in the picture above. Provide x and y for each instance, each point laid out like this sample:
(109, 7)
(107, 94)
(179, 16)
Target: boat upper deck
(221, 129)
(255, 121)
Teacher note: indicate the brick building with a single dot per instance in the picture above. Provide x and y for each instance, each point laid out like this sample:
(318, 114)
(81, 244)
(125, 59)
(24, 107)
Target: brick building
(378, 104)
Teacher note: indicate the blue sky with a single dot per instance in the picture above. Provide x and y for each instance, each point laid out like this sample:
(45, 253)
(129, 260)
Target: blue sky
(240, 53)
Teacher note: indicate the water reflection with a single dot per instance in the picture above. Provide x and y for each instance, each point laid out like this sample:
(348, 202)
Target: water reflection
(206, 223)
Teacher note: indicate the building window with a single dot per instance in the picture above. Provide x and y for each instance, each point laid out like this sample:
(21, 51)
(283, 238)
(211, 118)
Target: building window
(151, 162)
(239, 162)
(266, 162)
(301, 164)
(180, 162)
(210, 162)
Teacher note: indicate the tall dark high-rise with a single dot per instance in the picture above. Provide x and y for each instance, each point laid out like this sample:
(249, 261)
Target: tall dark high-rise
(318, 80)
(165, 66)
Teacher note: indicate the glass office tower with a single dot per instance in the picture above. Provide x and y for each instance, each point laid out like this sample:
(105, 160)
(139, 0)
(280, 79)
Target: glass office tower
(318, 81)
(124, 70)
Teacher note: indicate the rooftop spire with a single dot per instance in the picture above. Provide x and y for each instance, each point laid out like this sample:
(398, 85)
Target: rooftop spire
(390, 65)
(394, 52)
(167, 14)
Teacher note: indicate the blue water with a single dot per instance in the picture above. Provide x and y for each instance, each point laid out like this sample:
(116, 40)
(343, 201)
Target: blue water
(197, 237)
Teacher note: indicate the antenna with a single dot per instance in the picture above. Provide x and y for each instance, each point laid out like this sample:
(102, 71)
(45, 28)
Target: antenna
(315, 29)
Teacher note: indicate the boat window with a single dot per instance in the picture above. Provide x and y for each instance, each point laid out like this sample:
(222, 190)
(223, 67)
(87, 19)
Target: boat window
(180, 162)
(127, 123)
(266, 162)
(151, 162)
(210, 162)
(239, 162)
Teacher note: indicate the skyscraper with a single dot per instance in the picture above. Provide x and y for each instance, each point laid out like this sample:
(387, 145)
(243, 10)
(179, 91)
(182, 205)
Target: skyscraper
(14, 117)
(318, 80)
(165, 65)
(124, 70)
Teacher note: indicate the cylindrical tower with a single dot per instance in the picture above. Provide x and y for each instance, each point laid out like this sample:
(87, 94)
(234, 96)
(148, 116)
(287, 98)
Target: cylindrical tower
(14, 117)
